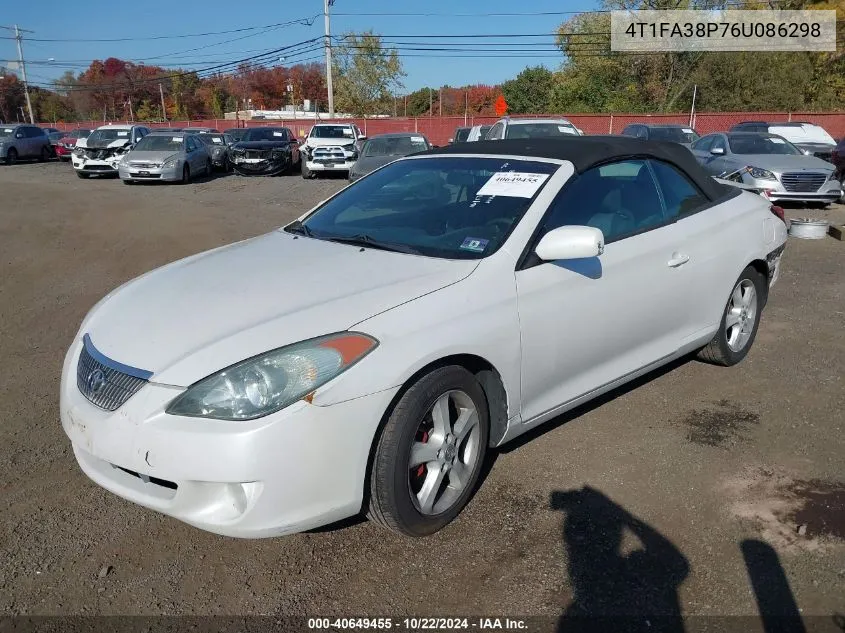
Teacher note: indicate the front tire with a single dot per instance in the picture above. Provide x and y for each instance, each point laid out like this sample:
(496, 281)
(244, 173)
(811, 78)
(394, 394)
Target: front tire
(11, 156)
(186, 175)
(430, 453)
(306, 173)
(45, 155)
(740, 321)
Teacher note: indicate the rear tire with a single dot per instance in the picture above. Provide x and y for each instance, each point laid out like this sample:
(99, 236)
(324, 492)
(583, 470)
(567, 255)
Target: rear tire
(740, 320)
(11, 156)
(435, 439)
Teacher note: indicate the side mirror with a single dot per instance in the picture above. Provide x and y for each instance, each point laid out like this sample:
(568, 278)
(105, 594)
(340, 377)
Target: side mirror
(717, 151)
(570, 242)
(19, 135)
(807, 152)
(362, 138)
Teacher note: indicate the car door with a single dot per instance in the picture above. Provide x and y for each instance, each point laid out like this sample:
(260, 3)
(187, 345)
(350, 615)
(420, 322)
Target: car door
(718, 161)
(194, 159)
(701, 148)
(587, 323)
(32, 138)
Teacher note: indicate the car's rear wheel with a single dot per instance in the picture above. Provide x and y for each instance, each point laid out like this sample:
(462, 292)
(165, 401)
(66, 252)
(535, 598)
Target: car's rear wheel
(82, 174)
(11, 156)
(740, 321)
(430, 453)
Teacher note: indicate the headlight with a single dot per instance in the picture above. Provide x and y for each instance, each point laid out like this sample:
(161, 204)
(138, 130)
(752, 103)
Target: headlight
(762, 174)
(79, 151)
(171, 162)
(267, 383)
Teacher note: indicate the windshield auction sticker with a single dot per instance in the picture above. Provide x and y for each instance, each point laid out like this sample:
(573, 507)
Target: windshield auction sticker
(722, 30)
(514, 184)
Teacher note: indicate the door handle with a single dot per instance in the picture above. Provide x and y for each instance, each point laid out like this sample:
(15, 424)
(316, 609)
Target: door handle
(678, 260)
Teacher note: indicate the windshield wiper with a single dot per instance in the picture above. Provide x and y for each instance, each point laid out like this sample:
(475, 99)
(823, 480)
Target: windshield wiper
(298, 227)
(367, 241)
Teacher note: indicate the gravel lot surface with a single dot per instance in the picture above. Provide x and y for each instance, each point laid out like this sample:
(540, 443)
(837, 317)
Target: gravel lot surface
(656, 497)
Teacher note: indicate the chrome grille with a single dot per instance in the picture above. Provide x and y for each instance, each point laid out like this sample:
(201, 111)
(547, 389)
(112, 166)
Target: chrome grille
(329, 154)
(104, 382)
(803, 180)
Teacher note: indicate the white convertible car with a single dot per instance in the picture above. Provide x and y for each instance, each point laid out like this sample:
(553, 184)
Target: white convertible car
(368, 355)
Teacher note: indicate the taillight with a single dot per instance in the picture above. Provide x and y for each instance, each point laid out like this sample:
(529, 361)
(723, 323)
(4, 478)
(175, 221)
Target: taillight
(778, 211)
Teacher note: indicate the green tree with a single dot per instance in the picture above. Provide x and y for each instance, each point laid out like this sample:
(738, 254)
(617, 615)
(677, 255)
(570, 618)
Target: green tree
(366, 74)
(530, 91)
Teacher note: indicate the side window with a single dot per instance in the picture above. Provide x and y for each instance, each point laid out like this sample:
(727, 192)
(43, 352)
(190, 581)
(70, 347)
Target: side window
(189, 144)
(619, 198)
(34, 132)
(680, 195)
(703, 144)
(497, 131)
(630, 130)
(642, 131)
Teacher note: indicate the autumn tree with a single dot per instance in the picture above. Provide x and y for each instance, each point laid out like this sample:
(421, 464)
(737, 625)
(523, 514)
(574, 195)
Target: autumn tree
(366, 74)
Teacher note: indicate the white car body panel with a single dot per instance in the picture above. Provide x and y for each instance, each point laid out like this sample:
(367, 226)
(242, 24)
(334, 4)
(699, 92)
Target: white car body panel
(557, 334)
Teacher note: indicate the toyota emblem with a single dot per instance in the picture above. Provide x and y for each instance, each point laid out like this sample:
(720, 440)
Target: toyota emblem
(96, 381)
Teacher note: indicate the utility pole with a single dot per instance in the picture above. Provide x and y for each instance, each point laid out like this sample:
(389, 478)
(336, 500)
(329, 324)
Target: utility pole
(440, 102)
(326, 5)
(22, 64)
(163, 109)
(430, 103)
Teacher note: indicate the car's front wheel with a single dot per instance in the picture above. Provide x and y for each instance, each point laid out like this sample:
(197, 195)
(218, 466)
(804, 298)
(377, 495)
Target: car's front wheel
(306, 173)
(430, 453)
(740, 321)
(11, 156)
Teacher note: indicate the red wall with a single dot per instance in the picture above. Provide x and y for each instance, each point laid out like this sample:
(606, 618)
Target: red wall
(440, 129)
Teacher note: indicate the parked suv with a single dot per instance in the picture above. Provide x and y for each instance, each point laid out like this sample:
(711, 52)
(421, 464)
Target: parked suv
(23, 141)
(531, 128)
(810, 138)
(331, 147)
(101, 152)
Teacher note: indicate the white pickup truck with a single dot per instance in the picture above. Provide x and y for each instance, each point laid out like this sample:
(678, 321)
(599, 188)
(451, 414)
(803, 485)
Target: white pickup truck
(330, 147)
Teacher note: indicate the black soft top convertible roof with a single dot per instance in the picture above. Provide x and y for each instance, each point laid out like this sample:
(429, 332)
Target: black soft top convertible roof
(585, 152)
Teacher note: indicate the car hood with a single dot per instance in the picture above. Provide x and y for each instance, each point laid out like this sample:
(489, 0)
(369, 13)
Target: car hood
(364, 166)
(330, 142)
(260, 144)
(120, 142)
(198, 315)
(153, 156)
(782, 162)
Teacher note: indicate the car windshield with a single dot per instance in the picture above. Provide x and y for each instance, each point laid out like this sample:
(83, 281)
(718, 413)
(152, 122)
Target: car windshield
(395, 145)
(540, 130)
(212, 139)
(461, 134)
(159, 143)
(108, 135)
(236, 133)
(674, 134)
(331, 131)
(443, 206)
(78, 133)
(753, 144)
(7, 131)
(264, 134)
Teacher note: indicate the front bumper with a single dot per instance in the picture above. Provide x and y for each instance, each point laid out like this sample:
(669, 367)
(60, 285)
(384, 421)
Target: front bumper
(96, 166)
(294, 470)
(63, 152)
(162, 174)
(321, 165)
(258, 166)
(830, 191)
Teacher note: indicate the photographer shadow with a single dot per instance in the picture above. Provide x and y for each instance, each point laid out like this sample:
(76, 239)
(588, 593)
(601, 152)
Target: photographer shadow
(624, 574)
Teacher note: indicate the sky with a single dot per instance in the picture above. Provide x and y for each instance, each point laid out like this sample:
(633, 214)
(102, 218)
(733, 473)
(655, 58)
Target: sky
(100, 19)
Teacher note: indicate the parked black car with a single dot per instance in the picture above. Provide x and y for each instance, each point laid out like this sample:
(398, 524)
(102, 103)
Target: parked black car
(265, 151)
(218, 149)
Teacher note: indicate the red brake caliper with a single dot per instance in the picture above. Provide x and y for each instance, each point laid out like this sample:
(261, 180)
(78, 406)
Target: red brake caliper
(421, 467)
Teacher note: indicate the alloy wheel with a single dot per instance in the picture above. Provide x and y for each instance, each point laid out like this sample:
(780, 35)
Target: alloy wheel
(741, 315)
(444, 453)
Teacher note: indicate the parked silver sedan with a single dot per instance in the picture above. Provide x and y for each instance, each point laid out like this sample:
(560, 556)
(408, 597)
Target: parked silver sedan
(770, 163)
(171, 157)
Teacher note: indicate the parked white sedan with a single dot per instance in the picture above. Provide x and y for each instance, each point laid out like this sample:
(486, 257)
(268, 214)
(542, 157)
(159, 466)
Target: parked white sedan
(369, 354)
